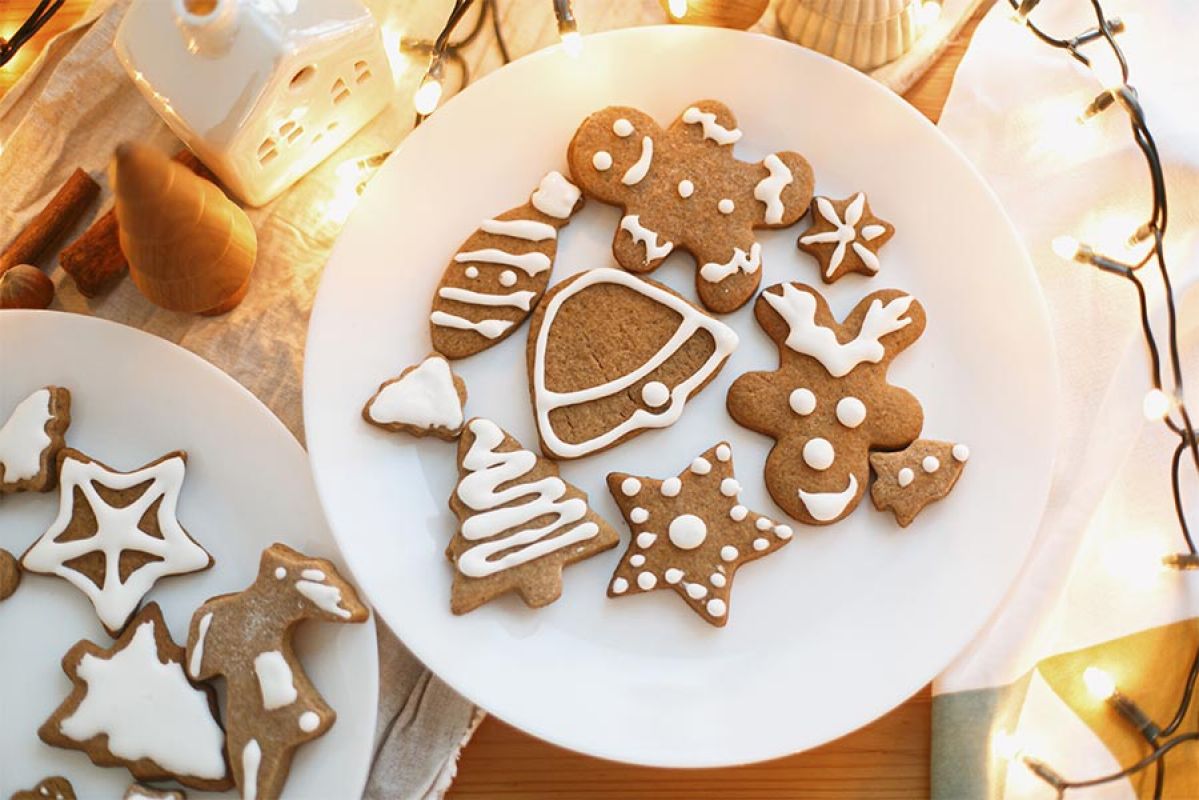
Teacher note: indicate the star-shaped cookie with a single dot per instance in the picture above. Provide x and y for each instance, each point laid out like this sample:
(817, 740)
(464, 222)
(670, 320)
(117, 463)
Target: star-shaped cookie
(845, 236)
(116, 533)
(690, 534)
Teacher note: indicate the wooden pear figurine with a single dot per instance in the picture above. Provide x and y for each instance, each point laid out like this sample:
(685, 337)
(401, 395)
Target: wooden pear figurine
(189, 247)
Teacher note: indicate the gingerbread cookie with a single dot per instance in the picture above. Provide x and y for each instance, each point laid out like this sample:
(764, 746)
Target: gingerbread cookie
(10, 575)
(683, 188)
(31, 440)
(907, 481)
(133, 707)
(612, 355)
(520, 523)
(55, 788)
(271, 706)
(828, 404)
(139, 792)
(691, 534)
(425, 400)
(845, 236)
(501, 271)
(128, 517)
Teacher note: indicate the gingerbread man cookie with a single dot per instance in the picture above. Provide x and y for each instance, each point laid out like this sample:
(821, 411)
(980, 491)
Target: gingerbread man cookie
(271, 706)
(845, 237)
(923, 473)
(683, 188)
(828, 405)
(31, 440)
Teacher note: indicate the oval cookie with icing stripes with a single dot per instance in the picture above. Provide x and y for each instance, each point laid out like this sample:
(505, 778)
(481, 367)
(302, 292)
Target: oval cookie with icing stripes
(612, 355)
(501, 271)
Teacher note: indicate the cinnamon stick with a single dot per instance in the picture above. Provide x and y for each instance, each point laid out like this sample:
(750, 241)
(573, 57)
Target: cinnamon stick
(52, 222)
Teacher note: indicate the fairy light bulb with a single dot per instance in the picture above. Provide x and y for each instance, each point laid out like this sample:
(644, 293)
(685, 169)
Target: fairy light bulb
(1099, 683)
(1108, 72)
(678, 8)
(572, 43)
(427, 96)
(1066, 247)
(927, 14)
(1156, 405)
(1007, 746)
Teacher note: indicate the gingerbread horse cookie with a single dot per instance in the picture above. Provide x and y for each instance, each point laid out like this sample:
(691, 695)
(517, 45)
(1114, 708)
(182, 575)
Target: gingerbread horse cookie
(828, 405)
(683, 188)
(272, 707)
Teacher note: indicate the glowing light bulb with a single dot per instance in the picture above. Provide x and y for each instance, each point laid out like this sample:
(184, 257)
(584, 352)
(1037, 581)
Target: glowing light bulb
(572, 43)
(1099, 683)
(1156, 405)
(1007, 745)
(678, 8)
(927, 14)
(1066, 247)
(427, 96)
(1108, 72)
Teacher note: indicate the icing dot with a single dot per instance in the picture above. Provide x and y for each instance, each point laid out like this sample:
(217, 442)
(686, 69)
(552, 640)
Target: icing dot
(309, 721)
(636, 560)
(725, 206)
(728, 553)
(701, 466)
(620, 586)
(737, 513)
(905, 477)
(602, 160)
(655, 394)
(763, 524)
(687, 531)
(686, 188)
(783, 531)
(930, 464)
(723, 453)
(729, 487)
(638, 515)
(508, 278)
(717, 580)
(280, 573)
(671, 487)
(647, 580)
(630, 487)
(802, 402)
(851, 412)
(622, 127)
(646, 539)
(716, 607)
(761, 544)
(696, 590)
(673, 575)
(472, 272)
(818, 453)
(961, 452)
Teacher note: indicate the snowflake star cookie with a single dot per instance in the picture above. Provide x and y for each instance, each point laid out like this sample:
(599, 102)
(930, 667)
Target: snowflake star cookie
(116, 533)
(909, 480)
(520, 523)
(682, 188)
(690, 534)
(612, 355)
(133, 706)
(845, 237)
(425, 400)
(31, 439)
(829, 404)
(271, 706)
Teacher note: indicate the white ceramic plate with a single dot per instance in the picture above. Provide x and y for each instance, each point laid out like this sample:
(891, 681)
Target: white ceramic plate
(836, 628)
(135, 397)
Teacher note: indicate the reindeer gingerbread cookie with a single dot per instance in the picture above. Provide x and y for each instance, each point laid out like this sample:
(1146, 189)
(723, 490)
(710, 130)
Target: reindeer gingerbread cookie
(683, 188)
(828, 405)
(272, 707)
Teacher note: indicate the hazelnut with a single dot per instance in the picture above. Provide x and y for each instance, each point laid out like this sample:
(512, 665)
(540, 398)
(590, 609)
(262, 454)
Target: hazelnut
(24, 286)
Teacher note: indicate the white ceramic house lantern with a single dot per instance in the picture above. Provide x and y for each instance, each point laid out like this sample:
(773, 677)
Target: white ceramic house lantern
(261, 90)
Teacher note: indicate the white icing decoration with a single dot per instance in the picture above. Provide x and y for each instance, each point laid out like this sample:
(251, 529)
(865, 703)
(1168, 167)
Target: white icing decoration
(851, 412)
(728, 553)
(729, 487)
(770, 189)
(507, 278)
(798, 310)
(671, 487)
(763, 524)
(844, 234)
(528, 229)
(761, 544)
(711, 128)
(622, 128)
(961, 452)
(602, 160)
(726, 206)
(783, 531)
(620, 586)
(723, 453)
(196, 662)
(930, 464)
(717, 579)
(646, 539)
(740, 261)
(636, 173)
(904, 477)
(636, 560)
(738, 513)
(312, 574)
(818, 453)
(692, 320)
(325, 597)
(655, 394)
(687, 531)
(147, 709)
(638, 515)
(521, 300)
(309, 721)
(643, 235)
(647, 580)
(555, 196)
(716, 607)
(696, 590)
(471, 272)
(23, 438)
(274, 680)
(531, 262)
(117, 530)
(630, 487)
(686, 188)
(251, 758)
(673, 575)
(280, 573)
(826, 506)
(871, 232)
(491, 328)
(867, 255)
(701, 466)
(488, 470)
(802, 401)
(424, 398)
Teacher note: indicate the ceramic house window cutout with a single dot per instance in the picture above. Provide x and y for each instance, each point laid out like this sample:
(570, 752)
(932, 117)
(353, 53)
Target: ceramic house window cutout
(262, 91)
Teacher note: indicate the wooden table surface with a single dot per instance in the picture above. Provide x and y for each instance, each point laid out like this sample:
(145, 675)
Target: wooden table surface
(887, 759)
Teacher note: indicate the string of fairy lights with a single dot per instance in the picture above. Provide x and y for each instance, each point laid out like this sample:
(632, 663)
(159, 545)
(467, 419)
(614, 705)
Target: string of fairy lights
(40, 15)
(1105, 58)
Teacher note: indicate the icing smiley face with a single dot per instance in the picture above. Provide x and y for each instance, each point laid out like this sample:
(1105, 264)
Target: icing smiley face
(828, 405)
